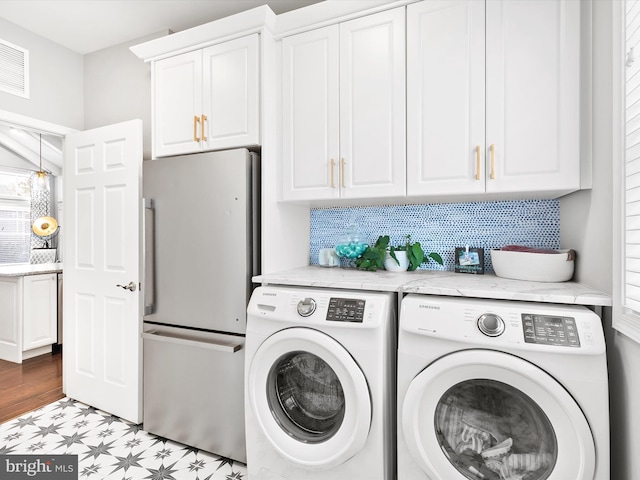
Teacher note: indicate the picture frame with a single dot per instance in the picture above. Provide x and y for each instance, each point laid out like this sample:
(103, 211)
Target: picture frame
(469, 260)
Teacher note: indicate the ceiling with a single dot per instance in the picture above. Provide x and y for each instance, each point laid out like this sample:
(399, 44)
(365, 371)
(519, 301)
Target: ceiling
(86, 26)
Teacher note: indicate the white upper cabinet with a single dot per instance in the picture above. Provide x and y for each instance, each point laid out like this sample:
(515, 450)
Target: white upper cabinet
(533, 95)
(207, 99)
(445, 92)
(177, 101)
(343, 110)
(310, 113)
(230, 94)
(515, 132)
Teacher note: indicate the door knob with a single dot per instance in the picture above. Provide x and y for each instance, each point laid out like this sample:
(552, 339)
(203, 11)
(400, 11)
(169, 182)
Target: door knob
(131, 286)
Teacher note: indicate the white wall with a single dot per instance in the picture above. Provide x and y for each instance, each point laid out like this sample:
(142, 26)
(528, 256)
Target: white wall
(117, 88)
(586, 225)
(56, 80)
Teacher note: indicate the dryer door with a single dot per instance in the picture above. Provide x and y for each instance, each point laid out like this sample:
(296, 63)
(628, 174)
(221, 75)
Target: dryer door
(310, 398)
(480, 414)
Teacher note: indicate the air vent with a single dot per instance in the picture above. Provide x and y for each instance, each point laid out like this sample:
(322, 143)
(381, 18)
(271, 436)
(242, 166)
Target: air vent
(14, 69)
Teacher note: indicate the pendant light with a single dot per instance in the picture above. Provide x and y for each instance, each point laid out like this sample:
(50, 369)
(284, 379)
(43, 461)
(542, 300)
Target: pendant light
(41, 174)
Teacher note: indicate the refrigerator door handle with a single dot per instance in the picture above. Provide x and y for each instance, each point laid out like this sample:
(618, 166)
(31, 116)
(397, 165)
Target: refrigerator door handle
(148, 256)
(226, 347)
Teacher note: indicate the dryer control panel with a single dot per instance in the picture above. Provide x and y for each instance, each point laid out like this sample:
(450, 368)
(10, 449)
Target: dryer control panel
(550, 330)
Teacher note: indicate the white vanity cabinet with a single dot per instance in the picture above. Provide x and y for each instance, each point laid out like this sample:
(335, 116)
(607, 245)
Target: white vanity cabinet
(207, 99)
(28, 318)
(343, 110)
(493, 97)
(40, 321)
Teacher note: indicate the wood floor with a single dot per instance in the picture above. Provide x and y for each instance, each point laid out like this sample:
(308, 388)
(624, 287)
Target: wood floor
(30, 385)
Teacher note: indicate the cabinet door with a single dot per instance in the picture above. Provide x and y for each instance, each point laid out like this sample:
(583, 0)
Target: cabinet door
(40, 311)
(445, 97)
(11, 319)
(177, 104)
(533, 92)
(310, 104)
(372, 105)
(230, 94)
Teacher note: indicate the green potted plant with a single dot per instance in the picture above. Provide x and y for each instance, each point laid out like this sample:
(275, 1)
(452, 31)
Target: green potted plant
(373, 257)
(407, 256)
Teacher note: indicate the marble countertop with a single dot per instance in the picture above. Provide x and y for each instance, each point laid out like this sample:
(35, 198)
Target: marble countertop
(22, 269)
(432, 282)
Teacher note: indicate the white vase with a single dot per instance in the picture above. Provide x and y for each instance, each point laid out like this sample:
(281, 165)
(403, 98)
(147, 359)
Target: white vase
(391, 265)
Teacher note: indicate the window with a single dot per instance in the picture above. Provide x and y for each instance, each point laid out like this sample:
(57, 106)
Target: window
(15, 231)
(626, 277)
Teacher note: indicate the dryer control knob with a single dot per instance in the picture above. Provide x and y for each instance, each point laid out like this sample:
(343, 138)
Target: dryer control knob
(306, 306)
(491, 325)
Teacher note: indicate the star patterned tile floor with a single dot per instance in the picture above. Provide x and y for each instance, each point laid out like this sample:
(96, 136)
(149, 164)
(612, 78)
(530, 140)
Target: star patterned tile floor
(110, 448)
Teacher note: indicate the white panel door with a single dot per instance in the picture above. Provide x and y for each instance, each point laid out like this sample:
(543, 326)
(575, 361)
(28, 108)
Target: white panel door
(533, 89)
(40, 322)
(177, 104)
(230, 94)
(445, 97)
(372, 105)
(102, 342)
(310, 118)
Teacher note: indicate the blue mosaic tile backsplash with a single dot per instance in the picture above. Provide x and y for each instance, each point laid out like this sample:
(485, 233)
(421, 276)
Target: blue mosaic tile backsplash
(443, 227)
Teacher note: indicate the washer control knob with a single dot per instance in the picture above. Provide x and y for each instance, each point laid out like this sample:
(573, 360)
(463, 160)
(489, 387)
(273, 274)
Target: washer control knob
(491, 325)
(306, 306)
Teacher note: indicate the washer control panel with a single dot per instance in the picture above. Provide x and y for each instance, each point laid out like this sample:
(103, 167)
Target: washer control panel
(346, 309)
(550, 330)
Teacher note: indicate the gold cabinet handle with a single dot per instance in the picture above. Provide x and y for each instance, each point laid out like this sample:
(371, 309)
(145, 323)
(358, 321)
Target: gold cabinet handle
(492, 149)
(478, 162)
(332, 164)
(204, 119)
(195, 129)
(342, 172)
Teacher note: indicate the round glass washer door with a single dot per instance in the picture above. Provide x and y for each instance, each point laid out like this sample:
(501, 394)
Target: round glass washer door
(310, 398)
(480, 414)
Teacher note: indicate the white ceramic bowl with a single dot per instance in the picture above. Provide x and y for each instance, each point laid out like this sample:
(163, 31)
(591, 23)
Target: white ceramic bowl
(536, 267)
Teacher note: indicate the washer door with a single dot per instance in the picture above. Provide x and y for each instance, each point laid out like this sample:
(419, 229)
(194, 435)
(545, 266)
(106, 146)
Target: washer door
(310, 398)
(480, 414)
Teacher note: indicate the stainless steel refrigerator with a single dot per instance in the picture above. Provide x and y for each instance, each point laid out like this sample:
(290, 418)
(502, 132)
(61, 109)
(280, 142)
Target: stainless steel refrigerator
(201, 250)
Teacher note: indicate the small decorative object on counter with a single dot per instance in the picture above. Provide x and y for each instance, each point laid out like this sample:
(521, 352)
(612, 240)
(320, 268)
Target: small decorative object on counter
(399, 262)
(351, 245)
(469, 260)
(381, 254)
(328, 257)
(520, 262)
(416, 256)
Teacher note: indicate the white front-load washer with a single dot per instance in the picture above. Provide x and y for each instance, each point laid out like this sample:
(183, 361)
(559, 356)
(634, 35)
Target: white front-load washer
(320, 384)
(501, 390)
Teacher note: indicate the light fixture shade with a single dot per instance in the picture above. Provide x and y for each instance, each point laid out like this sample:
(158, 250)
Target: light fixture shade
(45, 226)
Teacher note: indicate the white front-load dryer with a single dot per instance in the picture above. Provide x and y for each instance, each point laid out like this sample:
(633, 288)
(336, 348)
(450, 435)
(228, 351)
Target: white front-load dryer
(320, 384)
(501, 390)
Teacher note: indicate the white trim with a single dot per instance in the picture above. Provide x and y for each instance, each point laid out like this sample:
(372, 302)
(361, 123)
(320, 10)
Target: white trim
(629, 325)
(329, 12)
(33, 124)
(586, 96)
(218, 31)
